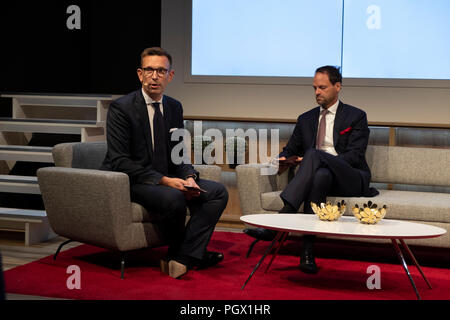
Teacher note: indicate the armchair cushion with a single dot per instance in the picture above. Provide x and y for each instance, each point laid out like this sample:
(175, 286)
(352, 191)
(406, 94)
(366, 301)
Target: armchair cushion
(89, 155)
(140, 214)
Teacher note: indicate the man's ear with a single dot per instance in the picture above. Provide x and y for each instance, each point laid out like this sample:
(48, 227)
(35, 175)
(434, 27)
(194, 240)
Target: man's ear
(140, 74)
(171, 74)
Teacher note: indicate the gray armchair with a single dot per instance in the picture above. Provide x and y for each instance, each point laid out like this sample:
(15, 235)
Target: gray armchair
(92, 206)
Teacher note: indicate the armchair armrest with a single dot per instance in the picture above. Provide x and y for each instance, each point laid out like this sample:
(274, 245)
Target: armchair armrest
(62, 154)
(86, 205)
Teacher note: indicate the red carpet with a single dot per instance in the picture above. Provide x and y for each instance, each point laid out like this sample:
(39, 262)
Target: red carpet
(336, 280)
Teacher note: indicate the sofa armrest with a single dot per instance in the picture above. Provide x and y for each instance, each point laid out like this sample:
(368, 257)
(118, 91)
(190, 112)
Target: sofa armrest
(254, 179)
(209, 172)
(86, 205)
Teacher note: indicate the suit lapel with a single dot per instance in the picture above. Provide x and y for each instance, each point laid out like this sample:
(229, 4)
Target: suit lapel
(141, 107)
(338, 119)
(166, 113)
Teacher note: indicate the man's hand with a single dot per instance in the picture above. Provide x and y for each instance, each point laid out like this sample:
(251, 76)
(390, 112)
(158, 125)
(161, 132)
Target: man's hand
(175, 183)
(192, 193)
(284, 163)
(294, 160)
(179, 184)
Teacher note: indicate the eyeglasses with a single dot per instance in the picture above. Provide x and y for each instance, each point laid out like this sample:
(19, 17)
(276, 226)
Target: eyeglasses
(148, 71)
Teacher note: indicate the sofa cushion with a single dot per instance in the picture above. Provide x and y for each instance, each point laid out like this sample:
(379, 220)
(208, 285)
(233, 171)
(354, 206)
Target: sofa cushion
(402, 205)
(271, 201)
(408, 205)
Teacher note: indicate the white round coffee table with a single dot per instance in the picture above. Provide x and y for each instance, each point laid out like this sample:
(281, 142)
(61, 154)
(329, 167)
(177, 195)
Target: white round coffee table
(346, 226)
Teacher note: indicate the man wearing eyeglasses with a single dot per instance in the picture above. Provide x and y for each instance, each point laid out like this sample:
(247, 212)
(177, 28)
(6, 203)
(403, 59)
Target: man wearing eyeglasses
(139, 128)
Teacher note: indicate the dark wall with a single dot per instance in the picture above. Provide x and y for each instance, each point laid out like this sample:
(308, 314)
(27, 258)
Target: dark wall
(40, 54)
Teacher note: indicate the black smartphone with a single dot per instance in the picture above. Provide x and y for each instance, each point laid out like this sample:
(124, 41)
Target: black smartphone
(190, 188)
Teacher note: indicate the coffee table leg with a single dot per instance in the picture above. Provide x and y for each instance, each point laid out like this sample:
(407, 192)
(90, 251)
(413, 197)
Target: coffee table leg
(280, 244)
(415, 262)
(405, 266)
(278, 236)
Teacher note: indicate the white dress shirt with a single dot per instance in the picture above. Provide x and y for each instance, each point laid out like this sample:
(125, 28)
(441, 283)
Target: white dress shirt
(151, 111)
(328, 143)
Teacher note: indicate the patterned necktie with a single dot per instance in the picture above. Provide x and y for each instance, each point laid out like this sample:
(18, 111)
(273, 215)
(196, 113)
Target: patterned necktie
(160, 162)
(322, 129)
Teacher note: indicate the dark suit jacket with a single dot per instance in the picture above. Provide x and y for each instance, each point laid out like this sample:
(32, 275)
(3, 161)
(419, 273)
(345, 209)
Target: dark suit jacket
(130, 143)
(350, 136)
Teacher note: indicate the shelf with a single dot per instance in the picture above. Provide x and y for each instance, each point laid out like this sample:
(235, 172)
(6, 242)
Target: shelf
(19, 184)
(47, 125)
(58, 100)
(26, 153)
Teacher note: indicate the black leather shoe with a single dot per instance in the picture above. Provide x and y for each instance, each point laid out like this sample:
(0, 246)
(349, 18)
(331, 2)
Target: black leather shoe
(308, 263)
(211, 259)
(261, 233)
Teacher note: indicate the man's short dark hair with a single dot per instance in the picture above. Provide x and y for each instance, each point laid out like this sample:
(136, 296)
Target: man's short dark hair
(156, 51)
(334, 75)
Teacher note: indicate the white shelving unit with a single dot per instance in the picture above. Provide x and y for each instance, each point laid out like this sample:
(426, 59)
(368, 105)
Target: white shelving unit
(32, 113)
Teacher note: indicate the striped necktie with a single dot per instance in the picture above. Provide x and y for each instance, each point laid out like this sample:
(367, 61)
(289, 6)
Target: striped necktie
(322, 129)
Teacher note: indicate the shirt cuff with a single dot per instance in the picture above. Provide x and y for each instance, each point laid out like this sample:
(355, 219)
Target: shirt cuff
(193, 176)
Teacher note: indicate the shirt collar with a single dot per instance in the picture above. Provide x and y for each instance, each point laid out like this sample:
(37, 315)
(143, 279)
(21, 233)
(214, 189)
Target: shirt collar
(148, 99)
(333, 108)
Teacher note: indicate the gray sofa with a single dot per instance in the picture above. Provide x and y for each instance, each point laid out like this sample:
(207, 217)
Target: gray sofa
(405, 168)
(93, 206)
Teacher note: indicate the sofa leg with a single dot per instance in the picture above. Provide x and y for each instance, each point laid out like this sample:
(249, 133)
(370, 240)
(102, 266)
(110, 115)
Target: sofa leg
(251, 248)
(60, 247)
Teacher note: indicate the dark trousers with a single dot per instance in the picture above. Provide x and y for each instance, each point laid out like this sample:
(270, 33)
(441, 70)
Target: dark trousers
(170, 207)
(320, 175)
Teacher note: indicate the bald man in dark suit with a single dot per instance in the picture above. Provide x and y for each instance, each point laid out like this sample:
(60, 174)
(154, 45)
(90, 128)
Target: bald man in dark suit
(329, 144)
